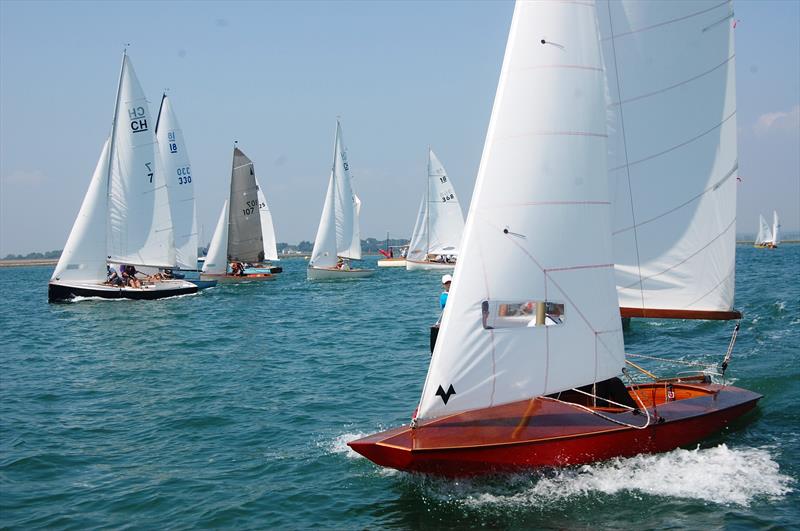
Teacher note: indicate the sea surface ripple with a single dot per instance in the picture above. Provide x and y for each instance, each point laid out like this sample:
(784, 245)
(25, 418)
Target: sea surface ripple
(232, 408)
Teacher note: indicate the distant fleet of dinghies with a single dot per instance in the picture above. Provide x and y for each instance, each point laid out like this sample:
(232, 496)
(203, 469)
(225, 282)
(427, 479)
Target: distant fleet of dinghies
(573, 217)
(338, 238)
(126, 220)
(243, 245)
(768, 238)
(440, 222)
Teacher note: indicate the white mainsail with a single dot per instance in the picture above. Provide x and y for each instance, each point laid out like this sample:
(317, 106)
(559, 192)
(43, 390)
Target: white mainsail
(672, 153)
(338, 233)
(764, 235)
(538, 228)
(442, 221)
(84, 255)
(267, 228)
(140, 225)
(180, 185)
(775, 229)
(217, 257)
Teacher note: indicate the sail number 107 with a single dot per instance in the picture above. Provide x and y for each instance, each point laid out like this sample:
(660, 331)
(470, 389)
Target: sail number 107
(184, 175)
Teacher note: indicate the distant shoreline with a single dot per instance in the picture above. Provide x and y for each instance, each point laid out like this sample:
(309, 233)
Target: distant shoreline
(53, 261)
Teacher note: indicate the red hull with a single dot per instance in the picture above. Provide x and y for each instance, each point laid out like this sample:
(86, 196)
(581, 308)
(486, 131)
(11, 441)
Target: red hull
(545, 433)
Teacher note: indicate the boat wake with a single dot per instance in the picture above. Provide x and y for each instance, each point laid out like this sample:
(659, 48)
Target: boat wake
(338, 445)
(718, 475)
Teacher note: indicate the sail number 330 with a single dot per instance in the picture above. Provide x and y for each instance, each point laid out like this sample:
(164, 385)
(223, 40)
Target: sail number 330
(184, 175)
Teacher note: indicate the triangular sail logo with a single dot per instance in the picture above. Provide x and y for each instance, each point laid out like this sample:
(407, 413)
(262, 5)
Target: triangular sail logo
(445, 395)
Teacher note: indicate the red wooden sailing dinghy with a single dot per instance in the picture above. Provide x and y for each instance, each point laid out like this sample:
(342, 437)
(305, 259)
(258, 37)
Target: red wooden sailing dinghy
(525, 371)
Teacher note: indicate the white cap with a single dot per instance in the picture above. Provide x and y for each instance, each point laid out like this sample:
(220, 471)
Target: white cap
(447, 278)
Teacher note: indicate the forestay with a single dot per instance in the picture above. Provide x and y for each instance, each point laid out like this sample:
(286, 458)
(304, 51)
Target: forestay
(244, 231)
(84, 255)
(267, 228)
(140, 225)
(538, 229)
(217, 258)
(180, 184)
(672, 154)
(442, 221)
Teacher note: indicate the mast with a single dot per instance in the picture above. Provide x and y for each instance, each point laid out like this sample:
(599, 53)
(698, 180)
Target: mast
(428, 205)
(113, 138)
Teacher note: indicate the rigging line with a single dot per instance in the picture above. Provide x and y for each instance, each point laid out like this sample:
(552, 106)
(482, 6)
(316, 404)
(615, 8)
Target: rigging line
(673, 148)
(704, 247)
(593, 412)
(711, 188)
(653, 26)
(552, 133)
(676, 362)
(676, 85)
(627, 159)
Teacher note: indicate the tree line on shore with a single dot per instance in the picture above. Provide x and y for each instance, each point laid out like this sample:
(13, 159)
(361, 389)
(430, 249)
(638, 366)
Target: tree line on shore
(369, 245)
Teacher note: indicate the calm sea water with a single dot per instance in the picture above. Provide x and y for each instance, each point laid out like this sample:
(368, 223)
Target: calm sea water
(232, 408)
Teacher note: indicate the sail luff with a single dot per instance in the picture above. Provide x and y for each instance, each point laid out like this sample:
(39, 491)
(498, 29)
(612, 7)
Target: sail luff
(347, 204)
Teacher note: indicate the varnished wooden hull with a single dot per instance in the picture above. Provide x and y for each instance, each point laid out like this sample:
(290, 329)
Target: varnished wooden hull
(546, 433)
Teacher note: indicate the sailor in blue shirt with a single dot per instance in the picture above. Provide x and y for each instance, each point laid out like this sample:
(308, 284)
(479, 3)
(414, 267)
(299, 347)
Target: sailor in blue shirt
(446, 280)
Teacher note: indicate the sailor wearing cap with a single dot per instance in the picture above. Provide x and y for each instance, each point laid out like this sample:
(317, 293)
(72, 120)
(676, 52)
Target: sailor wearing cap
(446, 280)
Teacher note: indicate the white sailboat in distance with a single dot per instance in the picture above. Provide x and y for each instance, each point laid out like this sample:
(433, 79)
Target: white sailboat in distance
(237, 251)
(440, 222)
(338, 237)
(768, 238)
(125, 216)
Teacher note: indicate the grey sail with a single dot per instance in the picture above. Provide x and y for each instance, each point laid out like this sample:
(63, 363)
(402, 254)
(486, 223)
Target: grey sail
(245, 242)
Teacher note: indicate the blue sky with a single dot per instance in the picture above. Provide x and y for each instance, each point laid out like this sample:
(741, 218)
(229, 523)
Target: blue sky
(274, 76)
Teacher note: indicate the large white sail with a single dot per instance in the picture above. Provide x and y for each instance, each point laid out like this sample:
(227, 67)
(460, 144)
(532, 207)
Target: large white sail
(537, 231)
(776, 226)
(140, 225)
(180, 184)
(764, 235)
(443, 221)
(324, 252)
(348, 205)
(84, 255)
(672, 158)
(267, 228)
(217, 258)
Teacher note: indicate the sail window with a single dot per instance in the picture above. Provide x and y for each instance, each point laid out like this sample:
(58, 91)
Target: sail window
(521, 314)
